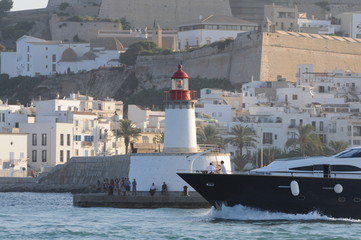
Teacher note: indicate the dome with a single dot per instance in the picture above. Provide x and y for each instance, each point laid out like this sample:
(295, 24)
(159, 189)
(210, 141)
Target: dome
(180, 74)
(89, 56)
(69, 55)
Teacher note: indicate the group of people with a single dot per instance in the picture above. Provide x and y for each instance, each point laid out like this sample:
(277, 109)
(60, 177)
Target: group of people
(153, 189)
(222, 169)
(121, 186)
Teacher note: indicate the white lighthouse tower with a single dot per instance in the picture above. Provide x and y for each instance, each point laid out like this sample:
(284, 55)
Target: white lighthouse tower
(180, 125)
(180, 151)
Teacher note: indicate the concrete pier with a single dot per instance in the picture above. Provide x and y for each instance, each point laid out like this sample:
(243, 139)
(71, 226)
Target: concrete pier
(142, 200)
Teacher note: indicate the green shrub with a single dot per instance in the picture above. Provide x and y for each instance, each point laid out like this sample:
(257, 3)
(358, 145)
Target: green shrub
(63, 6)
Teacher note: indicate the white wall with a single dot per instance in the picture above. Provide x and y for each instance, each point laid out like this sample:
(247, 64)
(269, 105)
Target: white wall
(159, 168)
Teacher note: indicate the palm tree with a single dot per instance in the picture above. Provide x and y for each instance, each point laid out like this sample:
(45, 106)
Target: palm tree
(208, 135)
(159, 138)
(270, 154)
(242, 137)
(128, 131)
(306, 140)
(337, 146)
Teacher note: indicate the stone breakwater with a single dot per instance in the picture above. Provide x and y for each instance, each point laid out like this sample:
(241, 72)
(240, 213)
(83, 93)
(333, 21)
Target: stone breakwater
(35, 187)
(78, 175)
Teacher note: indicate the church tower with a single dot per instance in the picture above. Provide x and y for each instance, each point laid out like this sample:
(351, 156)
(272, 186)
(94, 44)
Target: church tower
(157, 34)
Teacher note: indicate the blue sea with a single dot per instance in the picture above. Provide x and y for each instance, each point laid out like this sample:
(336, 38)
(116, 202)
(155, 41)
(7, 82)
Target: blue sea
(52, 216)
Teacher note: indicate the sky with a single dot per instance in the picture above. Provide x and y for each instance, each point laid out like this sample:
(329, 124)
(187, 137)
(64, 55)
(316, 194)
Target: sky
(28, 4)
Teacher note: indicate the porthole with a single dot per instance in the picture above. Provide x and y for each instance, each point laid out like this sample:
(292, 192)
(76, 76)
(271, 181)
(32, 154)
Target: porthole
(342, 199)
(301, 197)
(357, 199)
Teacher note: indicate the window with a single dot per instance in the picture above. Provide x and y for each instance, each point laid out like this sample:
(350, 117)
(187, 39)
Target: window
(3, 117)
(294, 97)
(293, 123)
(43, 156)
(61, 156)
(77, 138)
(88, 138)
(54, 67)
(43, 139)
(76, 152)
(33, 156)
(34, 139)
(267, 138)
(321, 126)
(61, 139)
(68, 139)
(145, 139)
(54, 57)
(313, 125)
(67, 155)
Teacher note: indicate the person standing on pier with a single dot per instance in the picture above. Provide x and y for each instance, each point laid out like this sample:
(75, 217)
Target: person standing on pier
(152, 189)
(134, 188)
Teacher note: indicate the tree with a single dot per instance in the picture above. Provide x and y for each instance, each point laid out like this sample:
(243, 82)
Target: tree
(5, 5)
(242, 137)
(63, 6)
(140, 48)
(308, 142)
(336, 146)
(128, 131)
(159, 138)
(125, 24)
(270, 154)
(208, 135)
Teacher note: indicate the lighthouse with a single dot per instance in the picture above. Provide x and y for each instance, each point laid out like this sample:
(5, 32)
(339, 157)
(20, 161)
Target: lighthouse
(180, 125)
(180, 151)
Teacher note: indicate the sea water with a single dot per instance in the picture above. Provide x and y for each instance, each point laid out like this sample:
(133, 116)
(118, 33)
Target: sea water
(52, 216)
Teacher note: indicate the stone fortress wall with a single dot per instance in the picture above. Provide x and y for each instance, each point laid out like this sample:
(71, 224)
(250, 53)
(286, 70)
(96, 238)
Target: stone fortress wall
(65, 31)
(169, 13)
(172, 12)
(282, 53)
(56, 3)
(261, 56)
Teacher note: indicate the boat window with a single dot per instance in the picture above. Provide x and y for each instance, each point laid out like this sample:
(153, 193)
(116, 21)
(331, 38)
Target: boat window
(351, 153)
(304, 168)
(319, 167)
(345, 168)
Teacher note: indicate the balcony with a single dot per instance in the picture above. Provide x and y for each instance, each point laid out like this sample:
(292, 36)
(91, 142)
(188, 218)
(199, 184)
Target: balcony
(86, 144)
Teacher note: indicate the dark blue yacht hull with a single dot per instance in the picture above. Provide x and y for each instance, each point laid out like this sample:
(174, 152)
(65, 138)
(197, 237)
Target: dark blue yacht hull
(273, 193)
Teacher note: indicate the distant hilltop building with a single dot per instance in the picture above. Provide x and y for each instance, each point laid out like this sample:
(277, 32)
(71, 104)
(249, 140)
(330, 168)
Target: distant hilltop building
(35, 56)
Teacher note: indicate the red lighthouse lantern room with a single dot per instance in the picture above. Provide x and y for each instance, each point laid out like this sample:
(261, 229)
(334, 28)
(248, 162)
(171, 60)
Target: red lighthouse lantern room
(180, 86)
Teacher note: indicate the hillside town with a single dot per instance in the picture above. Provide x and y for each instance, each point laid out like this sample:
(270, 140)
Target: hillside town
(263, 118)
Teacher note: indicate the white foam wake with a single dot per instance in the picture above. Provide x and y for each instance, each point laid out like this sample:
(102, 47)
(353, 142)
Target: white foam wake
(240, 212)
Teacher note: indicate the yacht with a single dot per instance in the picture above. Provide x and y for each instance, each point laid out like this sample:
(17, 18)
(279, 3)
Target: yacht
(330, 186)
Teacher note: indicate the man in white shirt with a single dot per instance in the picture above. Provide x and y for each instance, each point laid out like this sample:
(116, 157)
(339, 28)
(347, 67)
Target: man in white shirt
(210, 168)
(223, 168)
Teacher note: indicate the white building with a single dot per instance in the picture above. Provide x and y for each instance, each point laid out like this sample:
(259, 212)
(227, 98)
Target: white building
(350, 24)
(219, 105)
(316, 26)
(211, 29)
(36, 56)
(146, 119)
(13, 155)
(78, 126)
